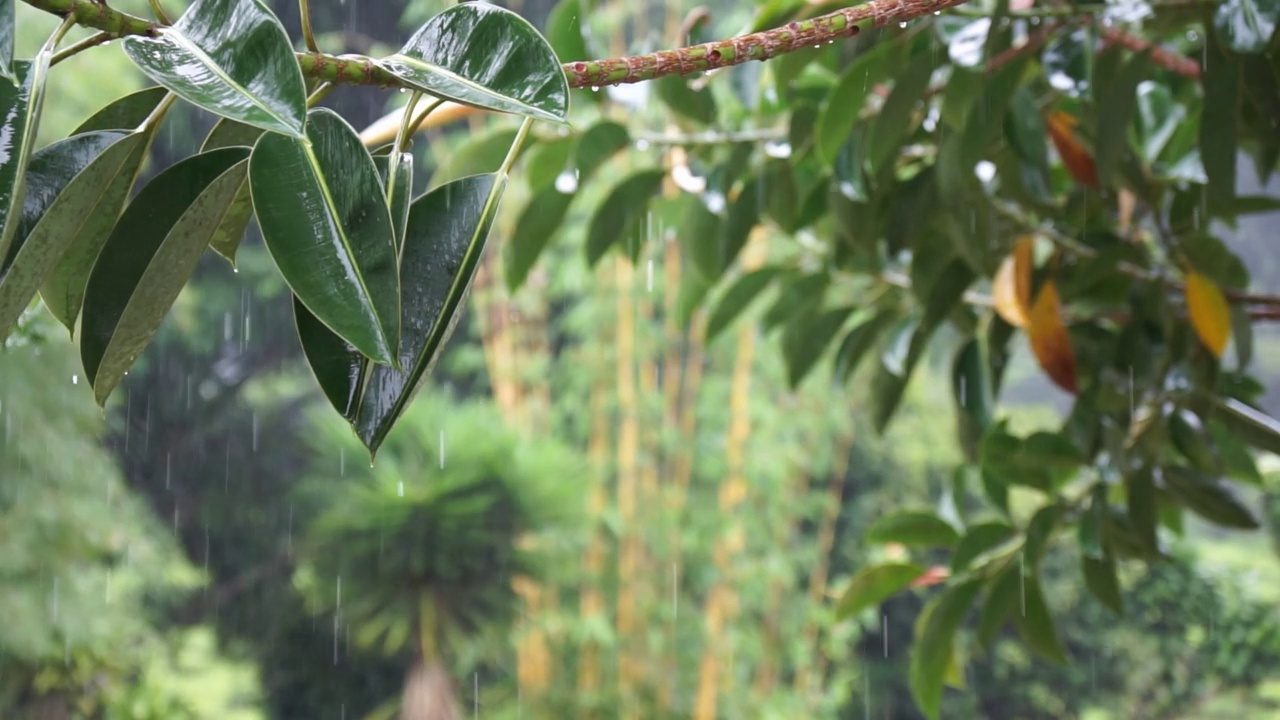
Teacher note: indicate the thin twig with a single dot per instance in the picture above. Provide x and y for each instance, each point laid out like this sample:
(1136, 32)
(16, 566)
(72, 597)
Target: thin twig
(158, 10)
(308, 35)
(361, 70)
(90, 42)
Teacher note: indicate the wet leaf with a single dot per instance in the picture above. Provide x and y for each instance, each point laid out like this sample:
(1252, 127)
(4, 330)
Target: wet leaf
(1210, 314)
(148, 259)
(227, 238)
(8, 23)
(1074, 156)
(621, 218)
(125, 113)
(488, 57)
(232, 58)
(874, 584)
(66, 184)
(737, 298)
(931, 654)
(1035, 623)
(914, 528)
(327, 226)
(1049, 340)
(19, 115)
(1011, 287)
(1247, 25)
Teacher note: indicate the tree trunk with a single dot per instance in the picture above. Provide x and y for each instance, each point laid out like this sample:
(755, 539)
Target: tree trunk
(428, 694)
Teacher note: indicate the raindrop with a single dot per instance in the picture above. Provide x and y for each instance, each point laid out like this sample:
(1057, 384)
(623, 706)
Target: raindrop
(342, 461)
(75, 379)
(235, 271)
(1193, 36)
(55, 600)
(567, 182)
(401, 90)
(884, 631)
(595, 89)
(985, 170)
(815, 47)
(642, 145)
(441, 449)
(778, 149)
(650, 278)
(168, 469)
(902, 24)
(937, 12)
(400, 488)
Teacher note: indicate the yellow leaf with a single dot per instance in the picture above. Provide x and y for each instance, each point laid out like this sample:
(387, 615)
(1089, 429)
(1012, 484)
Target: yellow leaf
(955, 670)
(1210, 315)
(1078, 161)
(1049, 340)
(1011, 287)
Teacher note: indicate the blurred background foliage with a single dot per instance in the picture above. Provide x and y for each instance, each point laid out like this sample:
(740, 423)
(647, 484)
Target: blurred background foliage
(648, 525)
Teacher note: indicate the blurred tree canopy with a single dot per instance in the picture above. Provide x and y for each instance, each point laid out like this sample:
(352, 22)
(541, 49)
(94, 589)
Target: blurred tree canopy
(902, 183)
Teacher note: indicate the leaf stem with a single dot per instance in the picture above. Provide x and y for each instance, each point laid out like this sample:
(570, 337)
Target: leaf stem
(417, 122)
(158, 114)
(90, 42)
(514, 152)
(397, 148)
(158, 10)
(321, 91)
(308, 35)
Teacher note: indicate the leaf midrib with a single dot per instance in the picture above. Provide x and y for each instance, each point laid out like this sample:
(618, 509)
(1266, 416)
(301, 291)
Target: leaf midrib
(432, 68)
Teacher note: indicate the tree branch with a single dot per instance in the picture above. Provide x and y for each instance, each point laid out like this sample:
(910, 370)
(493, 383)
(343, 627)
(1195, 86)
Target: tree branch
(361, 70)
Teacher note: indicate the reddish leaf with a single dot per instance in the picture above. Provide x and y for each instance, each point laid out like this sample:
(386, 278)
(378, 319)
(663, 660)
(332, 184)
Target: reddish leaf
(1049, 340)
(1011, 287)
(1077, 160)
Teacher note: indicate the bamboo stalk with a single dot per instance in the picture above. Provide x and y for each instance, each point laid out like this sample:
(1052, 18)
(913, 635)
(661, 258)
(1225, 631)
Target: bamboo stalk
(628, 451)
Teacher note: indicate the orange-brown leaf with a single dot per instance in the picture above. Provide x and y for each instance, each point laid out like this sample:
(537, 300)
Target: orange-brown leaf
(1210, 315)
(1049, 340)
(932, 576)
(1011, 287)
(1078, 161)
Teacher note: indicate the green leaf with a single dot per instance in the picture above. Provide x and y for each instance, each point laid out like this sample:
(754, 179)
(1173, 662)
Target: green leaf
(696, 105)
(1219, 119)
(479, 154)
(537, 223)
(1209, 497)
(445, 238)
(1254, 427)
(897, 349)
(599, 143)
(778, 181)
(125, 113)
(19, 115)
(1247, 25)
(564, 31)
(327, 226)
(1100, 578)
(860, 339)
(742, 216)
(893, 124)
(1143, 508)
(230, 232)
(547, 161)
(699, 235)
(1115, 113)
(620, 218)
(66, 182)
(232, 58)
(1039, 532)
(932, 651)
(1035, 623)
(104, 195)
(1091, 523)
(912, 528)
(874, 584)
(1004, 593)
(488, 57)
(1026, 129)
(8, 23)
(807, 337)
(737, 298)
(840, 110)
(148, 259)
(979, 539)
(971, 388)
(229, 133)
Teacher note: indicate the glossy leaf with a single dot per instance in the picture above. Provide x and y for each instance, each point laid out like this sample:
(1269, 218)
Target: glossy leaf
(229, 133)
(737, 298)
(8, 24)
(1074, 156)
(1210, 314)
(979, 539)
(124, 113)
(874, 584)
(232, 58)
(931, 653)
(148, 259)
(399, 188)
(16, 116)
(227, 238)
(63, 289)
(1049, 340)
(1035, 623)
(1011, 287)
(485, 56)
(66, 182)
(1247, 25)
(620, 218)
(446, 235)
(912, 528)
(327, 226)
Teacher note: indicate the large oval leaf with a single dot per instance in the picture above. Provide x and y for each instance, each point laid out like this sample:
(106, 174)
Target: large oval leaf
(124, 113)
(444, 239)
(485, 56)
(232, 58)
(226, 239)
(148, 259)
(327, 226)
(538, 221)
(874, 584)
(16, 134)
(7, 26)
(65, 185)
(619, 219)
(932, 652)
